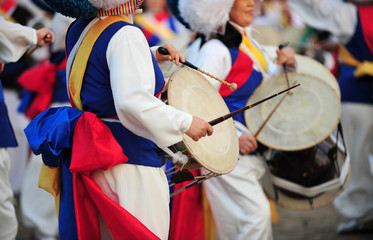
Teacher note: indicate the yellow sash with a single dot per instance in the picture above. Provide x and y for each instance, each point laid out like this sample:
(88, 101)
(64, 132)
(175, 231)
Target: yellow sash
(50, 177)
(362, 68)
(7, 17)
(80, 62)
(255, 51)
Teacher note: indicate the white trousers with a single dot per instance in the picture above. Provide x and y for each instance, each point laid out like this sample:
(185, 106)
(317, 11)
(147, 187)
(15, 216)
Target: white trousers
(8, 220)
(240, 208)
(357, 123)
(37, 205)
(142, 191)
(18, 155)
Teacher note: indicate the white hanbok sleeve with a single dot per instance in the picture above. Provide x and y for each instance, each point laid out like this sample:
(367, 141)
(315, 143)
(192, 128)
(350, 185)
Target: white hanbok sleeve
(132, 82)
(15, 39)
(336, 16)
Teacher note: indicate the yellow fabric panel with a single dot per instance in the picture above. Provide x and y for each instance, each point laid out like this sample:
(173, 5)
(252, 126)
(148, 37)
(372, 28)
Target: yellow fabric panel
(80, 62)
(274, 214)
(50, 180)
(362, 68)
(210, 227)
(257, 53)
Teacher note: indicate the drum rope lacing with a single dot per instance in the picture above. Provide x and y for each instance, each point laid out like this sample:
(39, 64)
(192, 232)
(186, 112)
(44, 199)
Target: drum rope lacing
(177, 157)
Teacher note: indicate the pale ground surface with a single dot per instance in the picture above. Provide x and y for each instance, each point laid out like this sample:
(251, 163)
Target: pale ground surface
(318, 224)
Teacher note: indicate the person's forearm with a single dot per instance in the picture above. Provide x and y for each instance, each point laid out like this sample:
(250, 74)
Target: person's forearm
(15, 39)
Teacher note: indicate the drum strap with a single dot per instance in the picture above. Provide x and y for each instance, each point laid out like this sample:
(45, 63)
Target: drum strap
(80, 62)
(362, 68)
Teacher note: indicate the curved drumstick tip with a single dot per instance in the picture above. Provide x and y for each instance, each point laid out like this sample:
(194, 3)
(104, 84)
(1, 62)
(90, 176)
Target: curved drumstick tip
(233, 86)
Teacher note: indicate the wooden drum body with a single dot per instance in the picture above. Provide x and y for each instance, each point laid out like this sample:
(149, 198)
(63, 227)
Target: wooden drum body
(306, 166)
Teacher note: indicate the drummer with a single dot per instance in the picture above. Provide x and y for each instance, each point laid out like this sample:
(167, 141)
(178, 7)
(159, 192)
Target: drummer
(239, 205)
(354, 31)
(120, 85)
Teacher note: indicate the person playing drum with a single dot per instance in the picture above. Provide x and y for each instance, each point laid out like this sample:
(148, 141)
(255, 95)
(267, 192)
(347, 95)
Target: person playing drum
(352, 25)
(239, 206)
(119, 85)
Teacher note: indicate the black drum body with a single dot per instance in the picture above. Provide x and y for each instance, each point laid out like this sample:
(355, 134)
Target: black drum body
(309, 178)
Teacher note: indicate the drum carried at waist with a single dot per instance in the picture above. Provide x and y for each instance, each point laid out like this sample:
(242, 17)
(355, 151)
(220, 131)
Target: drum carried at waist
(305, 118)
(191, 92)
(306, 166)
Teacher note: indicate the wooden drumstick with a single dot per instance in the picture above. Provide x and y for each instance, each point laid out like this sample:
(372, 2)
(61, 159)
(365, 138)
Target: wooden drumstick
(229, 115)
(285, 67)
(46, 38)
(282, 99)
(232, 86)
(269, 116)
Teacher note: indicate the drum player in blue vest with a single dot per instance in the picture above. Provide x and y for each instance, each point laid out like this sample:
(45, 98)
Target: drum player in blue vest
(351, 23)
(120, 88)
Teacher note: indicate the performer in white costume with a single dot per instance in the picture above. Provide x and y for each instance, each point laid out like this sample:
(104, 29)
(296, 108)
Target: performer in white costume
(37, 206)
(351, 24)
(239, 206)
(121, 83)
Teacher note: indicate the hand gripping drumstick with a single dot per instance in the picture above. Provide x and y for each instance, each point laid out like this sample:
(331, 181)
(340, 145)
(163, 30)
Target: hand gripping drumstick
(229, 115)
(47, 37)
(232, 86)
(282, 99)
(284, 64)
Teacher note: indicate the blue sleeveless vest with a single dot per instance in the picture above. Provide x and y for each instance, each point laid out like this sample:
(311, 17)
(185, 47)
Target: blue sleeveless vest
(357, 89)
(96, 95)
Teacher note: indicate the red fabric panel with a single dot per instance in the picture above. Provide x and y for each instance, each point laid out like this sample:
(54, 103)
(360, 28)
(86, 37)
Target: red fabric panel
(40, 80)
(94, 147)
(239, 74)
(366, 13)
(187, 215)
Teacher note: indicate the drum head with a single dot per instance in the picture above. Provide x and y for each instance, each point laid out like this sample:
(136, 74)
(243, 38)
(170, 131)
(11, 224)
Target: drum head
(191, 92)
(305, 118)
(290, 200)
(310, 66)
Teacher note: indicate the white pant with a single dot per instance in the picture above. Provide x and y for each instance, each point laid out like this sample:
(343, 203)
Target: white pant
(240, 208)
(357, 123)
(142, 191)
(18, 155)
(37, 205)
(8, 220)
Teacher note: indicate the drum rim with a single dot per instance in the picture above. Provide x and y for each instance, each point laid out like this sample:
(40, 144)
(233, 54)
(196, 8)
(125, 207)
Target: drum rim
(331, 76)
(186, 139)
(303, 147)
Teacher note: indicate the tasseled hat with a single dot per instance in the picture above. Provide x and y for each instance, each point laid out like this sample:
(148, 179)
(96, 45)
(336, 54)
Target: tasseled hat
(203, 16)
(91, 8)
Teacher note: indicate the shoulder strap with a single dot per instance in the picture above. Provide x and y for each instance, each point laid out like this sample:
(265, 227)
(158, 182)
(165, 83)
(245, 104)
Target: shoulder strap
(80, 62)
